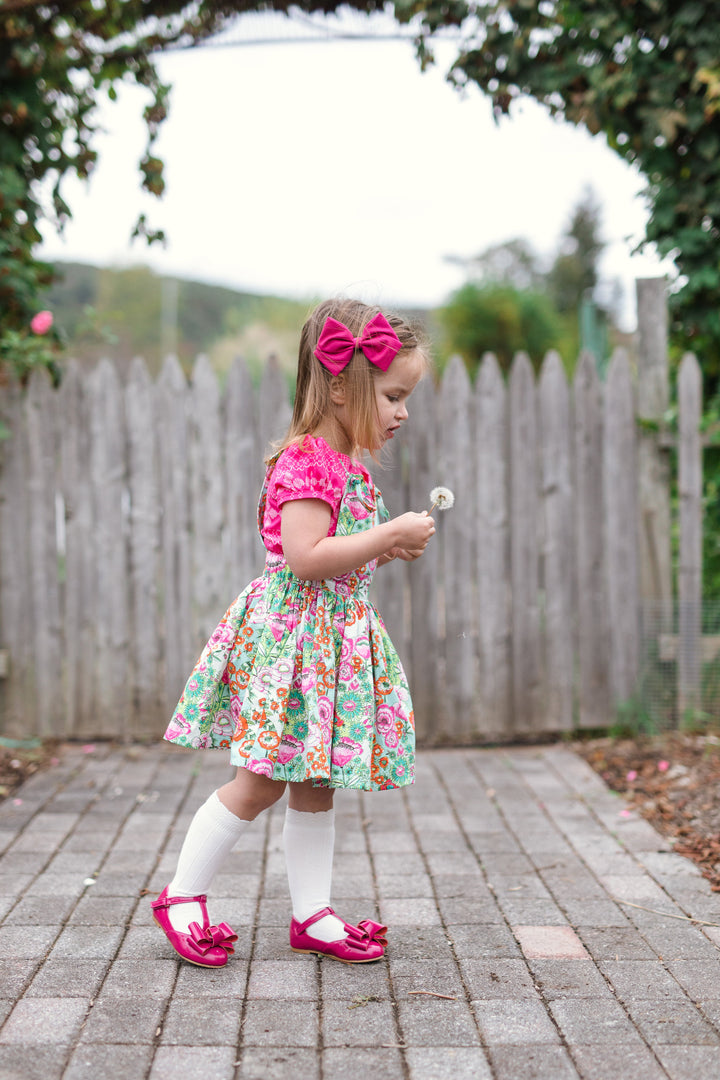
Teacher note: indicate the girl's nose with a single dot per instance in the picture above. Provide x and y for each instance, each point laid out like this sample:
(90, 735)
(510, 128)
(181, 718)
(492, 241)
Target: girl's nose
(401, 411)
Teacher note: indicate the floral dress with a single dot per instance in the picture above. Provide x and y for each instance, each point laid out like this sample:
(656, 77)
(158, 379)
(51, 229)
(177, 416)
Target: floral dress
(300, 679)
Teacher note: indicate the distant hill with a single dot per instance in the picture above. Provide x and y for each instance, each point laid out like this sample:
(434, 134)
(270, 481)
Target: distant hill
(135, 312)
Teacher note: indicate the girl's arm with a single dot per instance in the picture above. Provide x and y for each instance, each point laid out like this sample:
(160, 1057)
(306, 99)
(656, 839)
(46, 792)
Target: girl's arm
(313, 555)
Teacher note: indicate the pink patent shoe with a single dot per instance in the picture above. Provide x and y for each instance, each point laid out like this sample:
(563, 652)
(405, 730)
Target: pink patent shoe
(207, 946)
(364, 943)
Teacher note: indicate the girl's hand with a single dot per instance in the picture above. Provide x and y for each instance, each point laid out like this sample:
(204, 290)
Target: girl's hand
(408, 556)
(400, 553)
(413, 532)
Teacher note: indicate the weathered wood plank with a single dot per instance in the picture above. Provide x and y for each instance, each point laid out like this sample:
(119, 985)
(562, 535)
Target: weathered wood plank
(108, 464)
(652, 401)
(690, 462)
(18, 714)
(423, 574)
(492, 549)
(389, 588)
(171, 407)
(669, 648)
(592, 615)
(243, 477)
(144, 537)
(621, 519)
(274, 406)
(528, 704)
(45, 594)
(557, 507)
(210, 595)
(79, 585)
(456, 538)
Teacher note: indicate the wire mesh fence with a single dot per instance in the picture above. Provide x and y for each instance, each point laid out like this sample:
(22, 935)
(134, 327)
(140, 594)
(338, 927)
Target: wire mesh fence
(657, 702)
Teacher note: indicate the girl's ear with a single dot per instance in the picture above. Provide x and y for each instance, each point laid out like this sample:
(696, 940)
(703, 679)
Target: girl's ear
(337, 390)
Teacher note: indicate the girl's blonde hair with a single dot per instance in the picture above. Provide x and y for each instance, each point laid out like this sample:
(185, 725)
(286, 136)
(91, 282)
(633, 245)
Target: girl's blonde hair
(313, 401)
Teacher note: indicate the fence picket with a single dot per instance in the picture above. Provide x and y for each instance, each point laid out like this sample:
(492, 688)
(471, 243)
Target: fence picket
(592, 618)
(144, 547)
(492, 551)
(243, 467)
(44, 595)
(690, 574)
(557, 500)
(424, 644)
(655, 556)
(79, 585)
(274, 407)
(171, 404)
(455, 537)
(108, 464)
(17, 689)
(210, 594)
(524, 549)
(621, 517)
(391, 580)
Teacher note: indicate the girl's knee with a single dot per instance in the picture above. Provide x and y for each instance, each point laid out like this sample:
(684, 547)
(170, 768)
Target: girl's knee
(251, 793)
(313, 800)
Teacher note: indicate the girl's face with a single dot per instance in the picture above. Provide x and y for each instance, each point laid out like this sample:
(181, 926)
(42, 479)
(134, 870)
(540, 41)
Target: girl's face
(392, 390)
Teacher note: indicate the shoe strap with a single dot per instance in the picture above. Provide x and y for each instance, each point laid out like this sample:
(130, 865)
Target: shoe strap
(167, 901)
(302, 927)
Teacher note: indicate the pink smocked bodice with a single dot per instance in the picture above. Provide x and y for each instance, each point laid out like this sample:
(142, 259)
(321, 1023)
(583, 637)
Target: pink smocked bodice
(312, 470)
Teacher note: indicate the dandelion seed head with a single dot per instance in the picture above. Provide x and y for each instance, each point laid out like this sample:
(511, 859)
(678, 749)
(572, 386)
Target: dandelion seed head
(442, 497)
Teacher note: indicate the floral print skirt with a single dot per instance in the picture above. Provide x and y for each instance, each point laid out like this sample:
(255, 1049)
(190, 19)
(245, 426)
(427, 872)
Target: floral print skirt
(302, 682)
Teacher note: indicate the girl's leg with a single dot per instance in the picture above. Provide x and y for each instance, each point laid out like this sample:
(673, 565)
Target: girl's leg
(309, 841)
(213, 832)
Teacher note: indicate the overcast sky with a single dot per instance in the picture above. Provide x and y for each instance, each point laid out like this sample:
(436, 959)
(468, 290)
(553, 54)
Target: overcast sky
(312, 169)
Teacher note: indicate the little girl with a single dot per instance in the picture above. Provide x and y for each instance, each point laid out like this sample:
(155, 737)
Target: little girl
(300, 679)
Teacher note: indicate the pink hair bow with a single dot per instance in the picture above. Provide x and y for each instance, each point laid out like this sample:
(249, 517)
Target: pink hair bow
(336, 344)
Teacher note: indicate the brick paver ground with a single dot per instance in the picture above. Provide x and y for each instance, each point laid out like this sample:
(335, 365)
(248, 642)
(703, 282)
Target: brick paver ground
(538, 932)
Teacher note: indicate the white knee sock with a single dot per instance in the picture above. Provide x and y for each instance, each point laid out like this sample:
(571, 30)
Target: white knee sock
(309, 841)
(212, 835)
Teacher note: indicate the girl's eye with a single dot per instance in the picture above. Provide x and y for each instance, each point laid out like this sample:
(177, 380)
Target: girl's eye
(393, 399)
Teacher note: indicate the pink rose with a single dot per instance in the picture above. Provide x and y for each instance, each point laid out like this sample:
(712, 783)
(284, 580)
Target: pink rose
(385, 718)
(41, 323)
(325, 709)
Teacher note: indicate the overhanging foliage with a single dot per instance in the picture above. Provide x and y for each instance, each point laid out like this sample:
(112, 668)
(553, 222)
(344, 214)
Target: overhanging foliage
(646, 73)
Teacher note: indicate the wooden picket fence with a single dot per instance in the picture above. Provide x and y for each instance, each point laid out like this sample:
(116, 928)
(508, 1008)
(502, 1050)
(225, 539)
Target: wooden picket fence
(128, 524)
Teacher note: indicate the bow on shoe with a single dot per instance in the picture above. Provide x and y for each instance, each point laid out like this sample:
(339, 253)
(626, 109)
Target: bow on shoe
(366, 932)
(209, 937)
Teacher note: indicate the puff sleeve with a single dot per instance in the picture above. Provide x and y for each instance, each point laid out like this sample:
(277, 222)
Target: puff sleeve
(310, 471)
